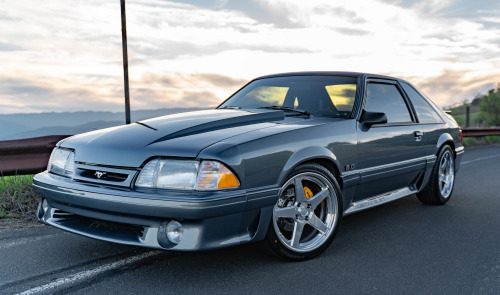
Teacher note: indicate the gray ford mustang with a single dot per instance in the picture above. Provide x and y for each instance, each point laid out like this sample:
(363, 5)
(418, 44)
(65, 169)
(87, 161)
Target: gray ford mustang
(281, 160)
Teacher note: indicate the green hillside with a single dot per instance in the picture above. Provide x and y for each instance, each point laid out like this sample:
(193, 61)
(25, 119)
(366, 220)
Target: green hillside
(474, 119)
(459, 113)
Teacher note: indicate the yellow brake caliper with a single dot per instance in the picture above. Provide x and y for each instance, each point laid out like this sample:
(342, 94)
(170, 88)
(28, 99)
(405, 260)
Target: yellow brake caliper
(308, 192)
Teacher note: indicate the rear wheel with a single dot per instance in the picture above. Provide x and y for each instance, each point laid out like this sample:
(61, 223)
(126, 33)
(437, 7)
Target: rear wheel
(442, 179)
(307, 214)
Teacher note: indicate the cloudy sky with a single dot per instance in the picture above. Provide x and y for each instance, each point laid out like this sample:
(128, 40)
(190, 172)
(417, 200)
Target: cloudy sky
(65, 55)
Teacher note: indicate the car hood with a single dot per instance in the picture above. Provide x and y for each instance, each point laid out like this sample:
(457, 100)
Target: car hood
(180, 135)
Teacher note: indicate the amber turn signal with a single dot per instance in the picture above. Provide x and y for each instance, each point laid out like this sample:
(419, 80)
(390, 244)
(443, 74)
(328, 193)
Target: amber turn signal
(214, 175)
(226, 178)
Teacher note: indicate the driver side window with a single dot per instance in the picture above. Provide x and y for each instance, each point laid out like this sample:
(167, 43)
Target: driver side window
(387, 99)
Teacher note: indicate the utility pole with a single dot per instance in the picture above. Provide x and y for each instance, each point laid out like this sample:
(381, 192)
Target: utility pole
(125, 62)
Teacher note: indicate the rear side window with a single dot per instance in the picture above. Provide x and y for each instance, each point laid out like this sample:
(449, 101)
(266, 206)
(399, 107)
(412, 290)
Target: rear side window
(425, 113)
(386, 98)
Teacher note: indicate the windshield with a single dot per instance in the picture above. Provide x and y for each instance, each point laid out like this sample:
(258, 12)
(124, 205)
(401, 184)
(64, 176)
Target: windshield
(331, 96)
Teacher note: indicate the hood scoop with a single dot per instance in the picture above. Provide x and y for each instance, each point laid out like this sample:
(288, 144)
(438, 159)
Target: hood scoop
(251, 118)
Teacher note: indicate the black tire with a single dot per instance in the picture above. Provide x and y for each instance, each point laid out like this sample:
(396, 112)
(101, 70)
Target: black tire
(304, 224)
(435, 193)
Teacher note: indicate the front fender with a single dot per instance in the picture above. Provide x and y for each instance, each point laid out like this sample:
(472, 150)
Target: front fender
(304, 155)
(225, 153)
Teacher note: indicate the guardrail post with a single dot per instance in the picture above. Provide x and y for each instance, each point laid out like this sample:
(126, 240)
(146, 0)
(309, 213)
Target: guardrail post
(467, 116)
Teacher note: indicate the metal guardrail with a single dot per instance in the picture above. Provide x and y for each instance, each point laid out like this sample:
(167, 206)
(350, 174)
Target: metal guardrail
(31, 155)
(26, 156)
(480, 131)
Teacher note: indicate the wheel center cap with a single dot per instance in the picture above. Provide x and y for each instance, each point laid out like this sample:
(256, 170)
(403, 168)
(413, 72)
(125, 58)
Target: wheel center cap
(303, 211)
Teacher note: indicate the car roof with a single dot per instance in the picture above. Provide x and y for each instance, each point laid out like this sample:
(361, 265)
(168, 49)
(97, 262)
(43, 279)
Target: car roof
(328, 73)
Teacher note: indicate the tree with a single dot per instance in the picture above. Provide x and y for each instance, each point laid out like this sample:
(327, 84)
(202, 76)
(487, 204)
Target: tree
(490, 108)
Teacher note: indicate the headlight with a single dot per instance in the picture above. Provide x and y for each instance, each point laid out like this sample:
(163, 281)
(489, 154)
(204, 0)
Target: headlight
(174, 174)
(62, 162)
(187, 175)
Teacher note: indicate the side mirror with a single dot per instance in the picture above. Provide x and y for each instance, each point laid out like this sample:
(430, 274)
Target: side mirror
(372, 118)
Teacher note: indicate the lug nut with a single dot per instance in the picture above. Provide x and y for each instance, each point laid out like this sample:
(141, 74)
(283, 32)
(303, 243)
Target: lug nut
(308, 206)
(307, 218)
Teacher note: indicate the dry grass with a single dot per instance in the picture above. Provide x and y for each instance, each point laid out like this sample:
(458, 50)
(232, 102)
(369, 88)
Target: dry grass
(17, 199)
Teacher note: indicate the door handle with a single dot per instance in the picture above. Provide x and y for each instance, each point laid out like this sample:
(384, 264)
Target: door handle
(418, 135)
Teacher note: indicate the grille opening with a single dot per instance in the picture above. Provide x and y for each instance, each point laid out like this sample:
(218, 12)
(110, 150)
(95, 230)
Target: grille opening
(107, 176)
(114, 226)
(98, 224)
(98, 228)
(61, 214)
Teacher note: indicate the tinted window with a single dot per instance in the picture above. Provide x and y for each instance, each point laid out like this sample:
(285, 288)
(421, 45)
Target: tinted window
(425, 113)
(387, 99)
(342, 96)
(265, 96)
(331, 96)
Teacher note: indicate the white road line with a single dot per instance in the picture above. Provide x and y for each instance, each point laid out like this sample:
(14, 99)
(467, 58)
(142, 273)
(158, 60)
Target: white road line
(24, 241)
(89, 273)
(480, 159)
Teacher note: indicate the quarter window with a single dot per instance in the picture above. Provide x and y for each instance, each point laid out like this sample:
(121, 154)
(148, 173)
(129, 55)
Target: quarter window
(425, 113)
(386, 98)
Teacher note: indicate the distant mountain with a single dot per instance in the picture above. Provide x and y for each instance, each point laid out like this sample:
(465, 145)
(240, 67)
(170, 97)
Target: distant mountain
(10, 127)
(17, 126)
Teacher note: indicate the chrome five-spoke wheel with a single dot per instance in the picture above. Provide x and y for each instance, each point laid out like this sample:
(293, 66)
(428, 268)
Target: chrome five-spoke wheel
(306, 213)
(446, 174)
(442, 179)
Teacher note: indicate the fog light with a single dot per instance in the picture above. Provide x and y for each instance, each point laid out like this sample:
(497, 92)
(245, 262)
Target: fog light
(45, 205)
(174, 232)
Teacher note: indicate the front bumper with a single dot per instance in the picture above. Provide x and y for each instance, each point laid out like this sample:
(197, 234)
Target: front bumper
(210, 219)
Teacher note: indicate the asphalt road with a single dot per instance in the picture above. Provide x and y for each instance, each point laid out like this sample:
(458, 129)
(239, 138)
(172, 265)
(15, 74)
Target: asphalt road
(399, 248)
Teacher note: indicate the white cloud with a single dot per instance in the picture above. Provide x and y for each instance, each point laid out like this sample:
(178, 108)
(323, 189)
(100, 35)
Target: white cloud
(491, 19)
(73, 48)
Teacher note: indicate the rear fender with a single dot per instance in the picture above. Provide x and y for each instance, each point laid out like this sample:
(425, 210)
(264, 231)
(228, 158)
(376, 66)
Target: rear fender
(445, 137)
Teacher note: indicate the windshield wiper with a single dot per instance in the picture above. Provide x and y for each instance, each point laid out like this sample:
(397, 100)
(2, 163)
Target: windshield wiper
(287, 109)
(231, 107)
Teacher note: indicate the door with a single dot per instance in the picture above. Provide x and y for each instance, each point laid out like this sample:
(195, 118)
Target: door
(391, 156)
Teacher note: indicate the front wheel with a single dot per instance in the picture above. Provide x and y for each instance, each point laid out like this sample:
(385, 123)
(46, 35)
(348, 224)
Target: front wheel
(307, 214)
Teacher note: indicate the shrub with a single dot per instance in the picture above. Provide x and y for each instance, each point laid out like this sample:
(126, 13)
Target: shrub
(17, 199)
(490, 108)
